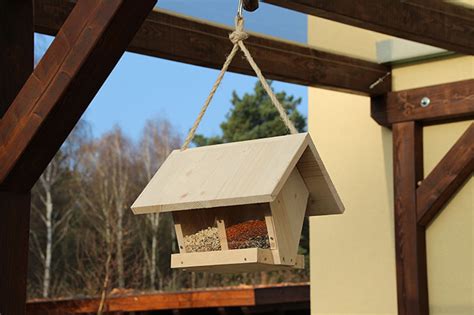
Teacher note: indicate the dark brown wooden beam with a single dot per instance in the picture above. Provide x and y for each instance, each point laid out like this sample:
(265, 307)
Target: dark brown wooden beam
(431, 22)
(284, 297)
(187, 40)
(282, 294)
(16, 64)
(16, 46)
(147, 302)
(14, 233)
(87, 47)
(410, 245)
(447, 102)
(446, 178)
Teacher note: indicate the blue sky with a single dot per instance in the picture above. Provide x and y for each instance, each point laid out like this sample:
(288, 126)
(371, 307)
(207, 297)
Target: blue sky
(141, 87)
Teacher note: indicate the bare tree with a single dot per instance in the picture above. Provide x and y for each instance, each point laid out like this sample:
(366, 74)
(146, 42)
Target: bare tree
(52, 205)
(105, 192)
(157, 141)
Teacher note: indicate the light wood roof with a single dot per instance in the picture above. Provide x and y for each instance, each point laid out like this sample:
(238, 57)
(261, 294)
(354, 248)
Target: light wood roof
(238, 173)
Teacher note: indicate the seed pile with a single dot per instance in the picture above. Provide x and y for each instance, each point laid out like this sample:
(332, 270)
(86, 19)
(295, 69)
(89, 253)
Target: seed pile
(203, 241)
(248, 234)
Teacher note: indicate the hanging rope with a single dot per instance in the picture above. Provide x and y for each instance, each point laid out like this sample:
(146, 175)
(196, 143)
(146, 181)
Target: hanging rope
(237, 38)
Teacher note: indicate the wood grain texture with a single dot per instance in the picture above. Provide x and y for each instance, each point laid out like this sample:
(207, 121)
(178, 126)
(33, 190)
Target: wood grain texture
(448, 102)
(282, 294)
(16, 64)
(446, 178)
(288, 212)
(239, 173)
(434, 22)
(191, 41)
(410, 247)
(234, 261)
(63, 84)
(14, 233)
(16, 46)
(284, 297)
(324, 198)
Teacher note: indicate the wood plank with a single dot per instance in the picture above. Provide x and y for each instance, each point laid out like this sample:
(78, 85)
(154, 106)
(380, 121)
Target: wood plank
(284, 297)
(16, 45)
(187, 40)
(245, 172)
(324, 198)
(410, 247)
(221, 228)
(288, 212)
(14, 233)
(62, 86)
(233, 261)
(448, 102)
(432, 22)
(148, 302)
(446, 178)
(282, 294)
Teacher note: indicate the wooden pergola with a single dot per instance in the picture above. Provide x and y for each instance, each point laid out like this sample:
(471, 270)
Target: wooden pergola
(40, 106)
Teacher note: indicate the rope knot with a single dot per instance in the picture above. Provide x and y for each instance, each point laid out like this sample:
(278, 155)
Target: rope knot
(238, 36)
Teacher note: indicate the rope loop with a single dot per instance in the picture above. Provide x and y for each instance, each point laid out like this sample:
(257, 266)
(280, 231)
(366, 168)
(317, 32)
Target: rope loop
(237, 37)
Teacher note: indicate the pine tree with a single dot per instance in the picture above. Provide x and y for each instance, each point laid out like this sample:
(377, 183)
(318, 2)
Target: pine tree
(253, 116)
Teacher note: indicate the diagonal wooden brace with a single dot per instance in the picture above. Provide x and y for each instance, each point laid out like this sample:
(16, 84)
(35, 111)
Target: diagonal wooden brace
(446, 178)
(86, 49)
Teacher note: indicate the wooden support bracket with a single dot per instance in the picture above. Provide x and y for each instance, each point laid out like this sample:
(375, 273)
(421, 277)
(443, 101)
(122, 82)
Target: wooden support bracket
(446, 178)
(429, 105)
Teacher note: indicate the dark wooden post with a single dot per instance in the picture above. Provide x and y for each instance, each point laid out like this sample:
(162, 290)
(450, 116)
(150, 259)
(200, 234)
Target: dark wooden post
(410, 237)
(16, 64)
(14, 231)
(16, 47)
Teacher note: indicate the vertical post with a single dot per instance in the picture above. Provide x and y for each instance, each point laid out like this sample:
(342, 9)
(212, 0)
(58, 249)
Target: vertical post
(16, 46)
(16, 64)
(412, 285)
(14, 230)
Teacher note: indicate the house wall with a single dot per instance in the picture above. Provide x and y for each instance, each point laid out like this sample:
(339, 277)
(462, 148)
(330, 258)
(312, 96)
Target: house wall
(353, 255)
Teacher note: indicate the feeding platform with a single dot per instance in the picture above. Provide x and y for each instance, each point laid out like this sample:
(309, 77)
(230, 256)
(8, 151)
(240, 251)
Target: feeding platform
(239, 207)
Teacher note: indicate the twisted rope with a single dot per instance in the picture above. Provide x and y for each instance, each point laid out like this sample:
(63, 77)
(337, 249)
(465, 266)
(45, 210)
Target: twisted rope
(237, 38)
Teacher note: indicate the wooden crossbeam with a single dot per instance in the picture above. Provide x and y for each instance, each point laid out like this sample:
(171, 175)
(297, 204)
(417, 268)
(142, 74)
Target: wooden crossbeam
(447, 102)
(410, 246)
(187, 40)
(283, 297)
(446, 178)
(433, 22)
(62, 85)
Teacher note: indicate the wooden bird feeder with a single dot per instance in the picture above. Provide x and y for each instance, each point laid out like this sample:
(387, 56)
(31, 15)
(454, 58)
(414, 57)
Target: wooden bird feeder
(239, 207)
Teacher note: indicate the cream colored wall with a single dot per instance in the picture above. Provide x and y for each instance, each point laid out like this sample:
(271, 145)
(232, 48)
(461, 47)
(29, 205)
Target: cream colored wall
(352, 255)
